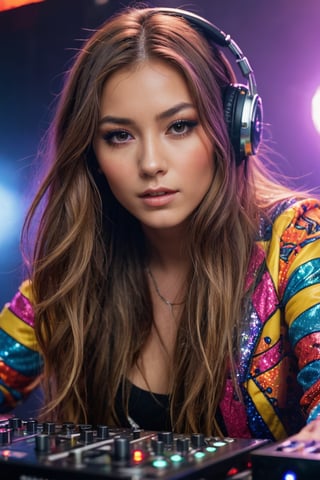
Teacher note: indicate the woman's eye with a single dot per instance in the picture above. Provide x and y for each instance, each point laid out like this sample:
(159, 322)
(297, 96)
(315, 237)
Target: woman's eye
(182, 127)
(117, 137)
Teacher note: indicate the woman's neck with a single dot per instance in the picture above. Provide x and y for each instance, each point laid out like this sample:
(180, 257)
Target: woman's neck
(167, 249)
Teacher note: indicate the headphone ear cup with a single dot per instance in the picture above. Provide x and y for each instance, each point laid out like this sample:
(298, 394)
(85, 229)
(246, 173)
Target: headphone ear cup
(233, 102)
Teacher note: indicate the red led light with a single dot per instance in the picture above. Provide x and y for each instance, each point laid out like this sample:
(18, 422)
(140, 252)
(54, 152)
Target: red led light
(232, 471)
(137, 456)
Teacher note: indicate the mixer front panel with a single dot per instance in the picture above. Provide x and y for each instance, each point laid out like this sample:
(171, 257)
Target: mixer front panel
(33, 451)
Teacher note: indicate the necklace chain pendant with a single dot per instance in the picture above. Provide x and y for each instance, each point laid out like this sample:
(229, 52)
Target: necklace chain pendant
(164, 300)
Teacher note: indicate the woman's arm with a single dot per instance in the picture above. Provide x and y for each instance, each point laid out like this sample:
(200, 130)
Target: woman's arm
(20, 361)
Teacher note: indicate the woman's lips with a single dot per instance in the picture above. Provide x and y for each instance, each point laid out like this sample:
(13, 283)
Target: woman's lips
(159, 197)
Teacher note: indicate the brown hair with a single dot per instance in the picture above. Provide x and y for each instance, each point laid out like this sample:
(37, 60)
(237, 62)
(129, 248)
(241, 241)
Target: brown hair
(88, 276)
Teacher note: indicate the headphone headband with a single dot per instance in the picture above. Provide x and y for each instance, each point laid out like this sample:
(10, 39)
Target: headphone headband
(242, 104)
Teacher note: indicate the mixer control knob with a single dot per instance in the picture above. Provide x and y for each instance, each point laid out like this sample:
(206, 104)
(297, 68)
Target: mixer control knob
(5, 436)
(197, 440)
(182, 445)
(86, 436)
(84, 426)
(68, 428)
(49, 428)
(102, 431)
(31, 426)
(42, 443)
(121, 449)
(166, 437)
(15, 423)
(158, 447)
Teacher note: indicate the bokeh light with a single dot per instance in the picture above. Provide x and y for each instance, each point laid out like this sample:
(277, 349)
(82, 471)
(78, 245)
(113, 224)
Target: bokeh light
(11, 207)
(315, 109)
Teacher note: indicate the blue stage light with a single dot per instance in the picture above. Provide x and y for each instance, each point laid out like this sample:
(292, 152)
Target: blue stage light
(290, 476)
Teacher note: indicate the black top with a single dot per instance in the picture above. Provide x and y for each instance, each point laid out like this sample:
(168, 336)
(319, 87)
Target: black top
(150, 411)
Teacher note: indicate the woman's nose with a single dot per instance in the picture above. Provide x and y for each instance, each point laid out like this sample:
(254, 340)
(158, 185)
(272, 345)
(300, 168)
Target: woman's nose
(152, 158)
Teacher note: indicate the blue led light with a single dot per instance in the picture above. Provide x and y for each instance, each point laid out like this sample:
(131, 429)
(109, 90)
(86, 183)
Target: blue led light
(290, 476)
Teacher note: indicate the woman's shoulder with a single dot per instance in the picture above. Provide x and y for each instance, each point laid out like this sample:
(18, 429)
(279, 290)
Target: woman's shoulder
(298, 221)
(293, 212)
(20, 307)
(290, 215)
(25, 289)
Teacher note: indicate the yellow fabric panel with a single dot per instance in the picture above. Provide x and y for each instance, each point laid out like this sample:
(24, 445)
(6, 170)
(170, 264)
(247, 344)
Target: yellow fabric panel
(270, 329)
(266, 411)
(17, 328)
(273, 252)
(25, 289)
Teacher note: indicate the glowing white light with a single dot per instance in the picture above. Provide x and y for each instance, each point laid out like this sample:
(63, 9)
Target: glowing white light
(290, 476)
(11, 214)
(315, 109)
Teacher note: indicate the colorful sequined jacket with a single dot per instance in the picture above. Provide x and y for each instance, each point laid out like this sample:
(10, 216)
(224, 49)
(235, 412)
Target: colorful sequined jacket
(279, 351)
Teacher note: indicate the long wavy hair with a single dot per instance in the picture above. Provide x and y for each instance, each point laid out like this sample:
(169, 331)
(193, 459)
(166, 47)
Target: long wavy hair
(92, 304)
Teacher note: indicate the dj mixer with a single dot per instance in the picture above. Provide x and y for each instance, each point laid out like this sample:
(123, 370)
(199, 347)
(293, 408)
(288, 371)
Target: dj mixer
(39, 451)
(287, 460)
(30, 450)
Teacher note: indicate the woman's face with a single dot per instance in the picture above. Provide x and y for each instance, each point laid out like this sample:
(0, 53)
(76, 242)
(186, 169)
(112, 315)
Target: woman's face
(151, 147)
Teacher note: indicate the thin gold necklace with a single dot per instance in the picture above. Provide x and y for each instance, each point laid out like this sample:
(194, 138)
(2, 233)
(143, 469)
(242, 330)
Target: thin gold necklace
(165, 300)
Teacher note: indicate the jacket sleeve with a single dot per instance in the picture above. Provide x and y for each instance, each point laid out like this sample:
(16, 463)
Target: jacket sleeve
(20, 361)
(301, 299)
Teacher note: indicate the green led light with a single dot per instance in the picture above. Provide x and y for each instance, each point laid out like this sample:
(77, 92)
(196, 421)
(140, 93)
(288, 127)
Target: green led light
(176, 458)
(211, 449)
(160, 463)
(199, 455)
(219, 444)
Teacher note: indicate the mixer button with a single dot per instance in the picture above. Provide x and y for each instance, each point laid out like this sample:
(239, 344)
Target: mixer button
(197, 440)
(182, 445)
(31, 426)
(6, 436)
(86, 436)
(15, 423)
(102, 431)
(49, 428)
(121, 449)
(68, 428)
(136, 433)
(42, 443)
(84, 426)
(157, 447)
(166, 437)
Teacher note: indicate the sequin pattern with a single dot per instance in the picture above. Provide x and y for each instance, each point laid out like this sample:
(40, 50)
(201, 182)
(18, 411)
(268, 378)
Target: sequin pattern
(22, 308)
(277, 341)
(20, 364)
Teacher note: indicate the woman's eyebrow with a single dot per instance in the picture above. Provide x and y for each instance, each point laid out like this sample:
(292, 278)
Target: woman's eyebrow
(163, 115)
(175, 109)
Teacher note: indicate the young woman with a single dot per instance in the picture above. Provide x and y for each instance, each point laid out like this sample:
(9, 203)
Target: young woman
(172, 285)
